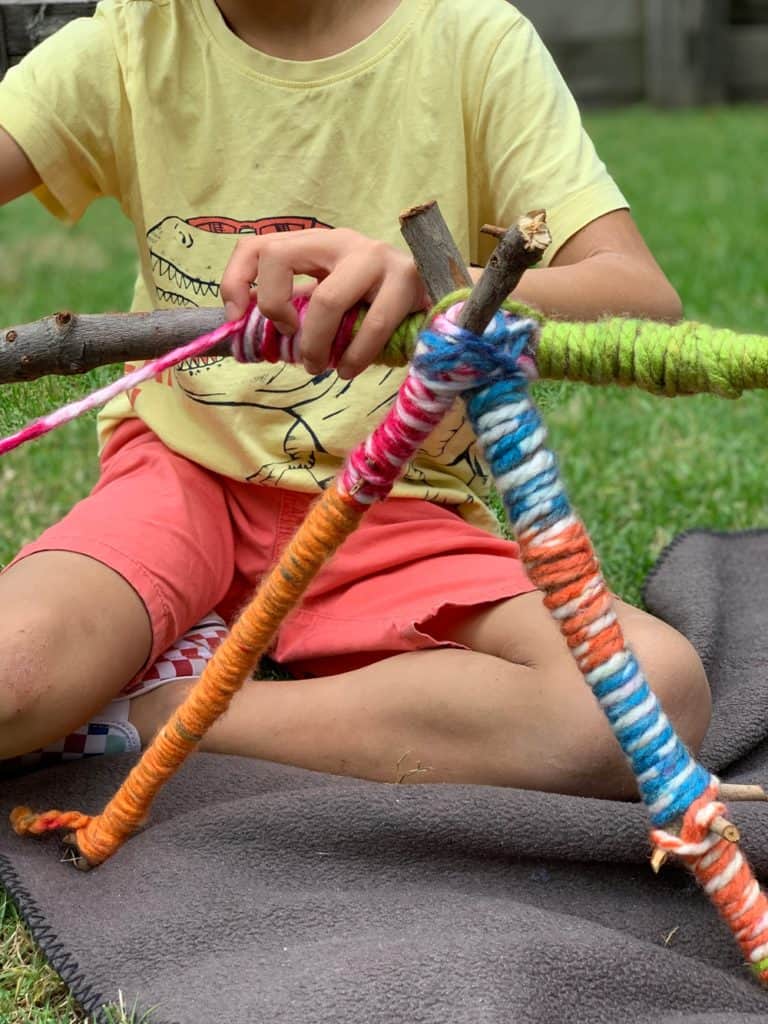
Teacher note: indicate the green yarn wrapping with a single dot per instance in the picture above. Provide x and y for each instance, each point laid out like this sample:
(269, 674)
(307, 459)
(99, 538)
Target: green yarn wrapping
(687, 358)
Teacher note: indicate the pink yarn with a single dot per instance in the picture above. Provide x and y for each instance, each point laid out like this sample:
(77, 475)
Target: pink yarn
(372, 468)
(254, 338)
(67, 413)
(259, 339)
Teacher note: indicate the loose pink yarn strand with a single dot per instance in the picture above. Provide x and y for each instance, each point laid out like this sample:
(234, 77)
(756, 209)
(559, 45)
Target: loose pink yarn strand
(70, 412)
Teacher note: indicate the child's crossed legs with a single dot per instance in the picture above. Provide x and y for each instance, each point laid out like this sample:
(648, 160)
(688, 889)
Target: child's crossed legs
(508, 712)
(511, 709)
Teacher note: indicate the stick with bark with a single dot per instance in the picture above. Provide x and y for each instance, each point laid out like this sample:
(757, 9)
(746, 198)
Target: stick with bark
(436, 256)
(69, 343)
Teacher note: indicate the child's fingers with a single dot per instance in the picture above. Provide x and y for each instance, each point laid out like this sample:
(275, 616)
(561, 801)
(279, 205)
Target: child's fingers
(348, 266)
(275, 291)
(273, 260)
(236, 282)
(390, 306)
(350, 280)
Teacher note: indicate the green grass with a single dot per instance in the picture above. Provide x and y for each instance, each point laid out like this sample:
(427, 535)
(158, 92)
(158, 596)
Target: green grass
(46, 267)
(639, 469)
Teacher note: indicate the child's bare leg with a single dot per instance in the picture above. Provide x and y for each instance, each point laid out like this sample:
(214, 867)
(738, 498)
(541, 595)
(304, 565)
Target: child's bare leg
(512, 711)
(74, 633)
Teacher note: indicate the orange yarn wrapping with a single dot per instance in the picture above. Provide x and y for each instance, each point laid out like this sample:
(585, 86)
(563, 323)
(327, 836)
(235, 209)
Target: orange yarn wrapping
(723, 872)
(25, 822)
(328, 524)
(559, 567)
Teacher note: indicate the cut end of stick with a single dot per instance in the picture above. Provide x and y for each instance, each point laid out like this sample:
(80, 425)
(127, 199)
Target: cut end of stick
(415, 211)
(71, 853)
(725, 829)
(658, 859)
(533, 227)
(493, 230)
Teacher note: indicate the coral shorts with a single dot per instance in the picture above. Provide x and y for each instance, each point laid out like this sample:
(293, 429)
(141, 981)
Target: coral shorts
(189, 541)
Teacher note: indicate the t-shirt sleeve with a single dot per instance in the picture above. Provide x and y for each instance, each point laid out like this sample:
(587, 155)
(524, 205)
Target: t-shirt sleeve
(63, 105)
(535, 151)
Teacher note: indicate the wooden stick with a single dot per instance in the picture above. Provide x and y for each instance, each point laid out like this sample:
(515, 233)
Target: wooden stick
(518, 250)
(67, 343)
(725, 829)
(494, 230)
(737, 791)
(721, 826)
(435, 253)
(659, 858)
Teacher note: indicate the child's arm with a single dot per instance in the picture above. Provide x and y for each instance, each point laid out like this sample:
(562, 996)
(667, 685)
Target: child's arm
(604, 268)
(17, 175)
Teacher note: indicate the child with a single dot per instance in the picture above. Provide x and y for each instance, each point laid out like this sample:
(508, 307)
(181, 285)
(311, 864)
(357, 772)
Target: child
(423, 651)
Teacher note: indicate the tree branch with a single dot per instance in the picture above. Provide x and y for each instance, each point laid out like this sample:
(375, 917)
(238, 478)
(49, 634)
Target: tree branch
(443, 268)
(68, 343)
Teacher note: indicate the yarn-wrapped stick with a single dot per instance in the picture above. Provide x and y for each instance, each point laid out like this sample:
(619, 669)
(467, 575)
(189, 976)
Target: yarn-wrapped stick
(491, 373)
(680, 795)
(687, 358)
(683, 359)
(368, 475)
(94, 839)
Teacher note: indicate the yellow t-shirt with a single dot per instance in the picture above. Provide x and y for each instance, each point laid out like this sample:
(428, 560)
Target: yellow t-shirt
(202, 138)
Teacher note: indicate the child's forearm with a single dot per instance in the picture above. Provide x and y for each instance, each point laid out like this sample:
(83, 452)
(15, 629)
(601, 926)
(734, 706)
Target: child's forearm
(604, 269)
(605, 284)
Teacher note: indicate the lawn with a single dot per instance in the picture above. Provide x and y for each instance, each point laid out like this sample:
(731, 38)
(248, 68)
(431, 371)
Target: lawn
(640, 469)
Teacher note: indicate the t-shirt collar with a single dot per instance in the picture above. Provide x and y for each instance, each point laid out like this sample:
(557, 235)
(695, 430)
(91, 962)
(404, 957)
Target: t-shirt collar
(311, 72)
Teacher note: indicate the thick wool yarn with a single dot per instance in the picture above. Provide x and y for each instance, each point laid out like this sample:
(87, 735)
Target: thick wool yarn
(491, 372)
(681, 359)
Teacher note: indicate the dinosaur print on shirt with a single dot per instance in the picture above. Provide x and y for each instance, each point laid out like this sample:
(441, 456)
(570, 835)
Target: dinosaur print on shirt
(188, 258)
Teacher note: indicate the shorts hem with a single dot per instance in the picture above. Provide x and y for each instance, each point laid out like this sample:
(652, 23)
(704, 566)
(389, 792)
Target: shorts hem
(401, 636)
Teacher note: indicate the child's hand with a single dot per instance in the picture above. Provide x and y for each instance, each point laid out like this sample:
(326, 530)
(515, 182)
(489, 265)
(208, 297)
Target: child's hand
(349, 268)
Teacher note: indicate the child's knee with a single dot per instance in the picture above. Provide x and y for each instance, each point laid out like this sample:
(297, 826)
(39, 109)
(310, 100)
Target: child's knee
(33, 655)
(676, 675)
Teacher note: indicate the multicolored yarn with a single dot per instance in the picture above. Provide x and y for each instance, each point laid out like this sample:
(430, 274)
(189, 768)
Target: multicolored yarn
(369, 474)
(725, 876)
(559, 559)
(680, 359)
(427, 393)
(491, 373)
(259, 340)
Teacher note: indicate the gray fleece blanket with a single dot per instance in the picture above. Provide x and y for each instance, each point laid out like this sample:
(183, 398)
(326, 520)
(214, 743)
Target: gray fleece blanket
(261, 893)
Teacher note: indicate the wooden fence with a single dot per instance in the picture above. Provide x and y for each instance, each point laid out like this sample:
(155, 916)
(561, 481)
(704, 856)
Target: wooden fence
(669, 52)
